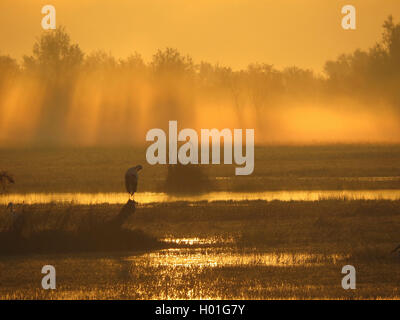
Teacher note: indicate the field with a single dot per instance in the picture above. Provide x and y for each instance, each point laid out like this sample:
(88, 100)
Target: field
(276, 168)
(220, 249)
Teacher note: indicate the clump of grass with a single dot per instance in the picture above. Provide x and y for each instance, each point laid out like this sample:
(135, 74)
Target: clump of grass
(186, 179)
(56, 241)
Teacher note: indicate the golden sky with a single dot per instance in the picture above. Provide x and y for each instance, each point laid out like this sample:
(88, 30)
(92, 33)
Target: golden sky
(231, 32)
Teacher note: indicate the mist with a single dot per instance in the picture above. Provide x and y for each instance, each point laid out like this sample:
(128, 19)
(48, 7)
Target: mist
(60, 96)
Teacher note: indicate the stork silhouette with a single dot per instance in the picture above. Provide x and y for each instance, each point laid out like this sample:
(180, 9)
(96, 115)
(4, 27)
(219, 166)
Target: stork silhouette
(131, 180)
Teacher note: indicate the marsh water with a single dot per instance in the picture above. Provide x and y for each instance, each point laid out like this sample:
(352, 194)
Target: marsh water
(195, 272)
(154, 197)
(199, 268)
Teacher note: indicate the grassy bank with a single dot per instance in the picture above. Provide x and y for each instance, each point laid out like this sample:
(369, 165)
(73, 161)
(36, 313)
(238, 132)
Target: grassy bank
(327, 226)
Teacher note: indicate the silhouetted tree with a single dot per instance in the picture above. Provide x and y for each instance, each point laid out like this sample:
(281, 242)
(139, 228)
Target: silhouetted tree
(9, 70)
(54, 56)
(171, 62)
(173, 87)
(370, 75)
(8, 67)
(55, 62)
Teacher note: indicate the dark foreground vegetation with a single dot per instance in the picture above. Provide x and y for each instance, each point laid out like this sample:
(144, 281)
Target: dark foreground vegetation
(27, 230)
(349, 227)
(55, 241)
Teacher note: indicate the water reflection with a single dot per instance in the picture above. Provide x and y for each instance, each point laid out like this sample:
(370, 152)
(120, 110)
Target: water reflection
(152, 197)
(183, 273)
(214, 257)
(195, 241)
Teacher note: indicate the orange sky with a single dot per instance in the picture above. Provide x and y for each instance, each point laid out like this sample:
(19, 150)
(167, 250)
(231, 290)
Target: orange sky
(232, 32)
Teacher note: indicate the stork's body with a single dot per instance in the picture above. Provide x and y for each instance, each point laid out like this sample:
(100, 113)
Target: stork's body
(131, 179)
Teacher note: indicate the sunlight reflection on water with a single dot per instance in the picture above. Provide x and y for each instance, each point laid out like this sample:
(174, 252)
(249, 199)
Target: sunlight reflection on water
(214, 257)
(151, 197)
(195, 241)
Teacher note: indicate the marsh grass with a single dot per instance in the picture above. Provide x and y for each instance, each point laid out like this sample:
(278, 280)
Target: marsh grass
(186, 179)
(358, 227)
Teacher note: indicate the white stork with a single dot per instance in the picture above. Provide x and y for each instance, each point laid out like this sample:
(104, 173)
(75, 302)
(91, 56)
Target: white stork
(131, 179)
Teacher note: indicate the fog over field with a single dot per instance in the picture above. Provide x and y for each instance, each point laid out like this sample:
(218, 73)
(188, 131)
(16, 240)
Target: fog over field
(59, 95)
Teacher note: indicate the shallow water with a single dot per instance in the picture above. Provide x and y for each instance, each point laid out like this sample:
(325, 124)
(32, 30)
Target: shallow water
(214, 257)
(152, 197)
(183, 273)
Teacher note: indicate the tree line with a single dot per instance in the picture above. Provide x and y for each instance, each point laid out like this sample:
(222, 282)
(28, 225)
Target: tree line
(63, 95)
